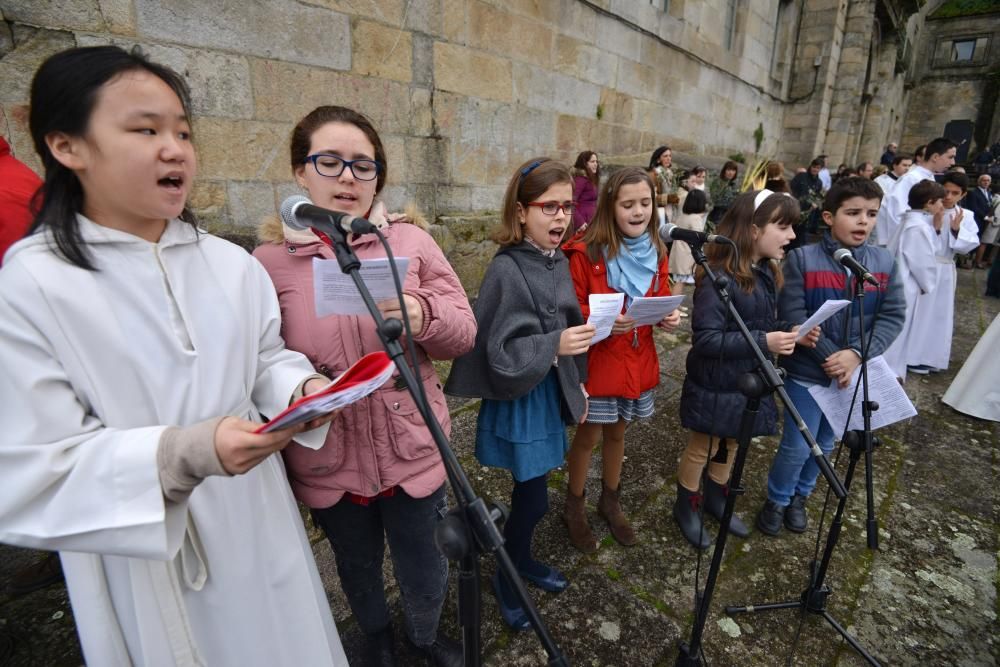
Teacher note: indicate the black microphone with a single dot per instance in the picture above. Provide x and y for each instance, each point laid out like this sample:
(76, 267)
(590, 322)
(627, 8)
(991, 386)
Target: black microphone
(846, 259)
(671, 232)
(299, 213)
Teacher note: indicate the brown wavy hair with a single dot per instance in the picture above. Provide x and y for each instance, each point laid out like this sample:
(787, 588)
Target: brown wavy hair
(529, 182)
(302, 136)
(603, 232)
(778, 209)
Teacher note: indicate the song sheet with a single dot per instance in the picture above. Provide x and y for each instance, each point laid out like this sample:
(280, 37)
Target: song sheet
(883, 388)
(336, 293)
(651, 309)
(822, 314)
(604, 309)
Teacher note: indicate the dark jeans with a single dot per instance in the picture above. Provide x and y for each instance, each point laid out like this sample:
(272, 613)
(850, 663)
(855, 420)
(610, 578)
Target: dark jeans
(356, 534)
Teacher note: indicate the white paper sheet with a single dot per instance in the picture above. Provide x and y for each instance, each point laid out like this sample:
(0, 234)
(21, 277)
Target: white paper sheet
(604, 309)
(651, 309)
(336, 293)
(822, 314)
(883, 388)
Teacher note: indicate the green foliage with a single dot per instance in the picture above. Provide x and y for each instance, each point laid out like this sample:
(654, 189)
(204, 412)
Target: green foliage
(954, 8)
(739, 158)
(600, 111)
(758, 137)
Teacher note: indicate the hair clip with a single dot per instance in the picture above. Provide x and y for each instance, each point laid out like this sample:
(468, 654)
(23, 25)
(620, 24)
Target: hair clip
(530, 168)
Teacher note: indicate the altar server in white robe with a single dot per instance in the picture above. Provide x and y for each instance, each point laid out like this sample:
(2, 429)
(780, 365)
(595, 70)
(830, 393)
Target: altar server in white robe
(939, 155)
(914, 245)
(900, 165)
(975, 390)
(126, 338)
(958, 235)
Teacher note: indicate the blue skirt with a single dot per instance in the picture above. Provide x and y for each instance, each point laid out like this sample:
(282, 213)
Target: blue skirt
(527, 435)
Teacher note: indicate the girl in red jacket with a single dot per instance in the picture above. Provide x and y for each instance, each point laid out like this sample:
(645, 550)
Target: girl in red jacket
(619, 252)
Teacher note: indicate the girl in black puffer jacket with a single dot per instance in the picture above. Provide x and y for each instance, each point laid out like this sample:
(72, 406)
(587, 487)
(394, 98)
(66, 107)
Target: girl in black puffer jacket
(760, 224)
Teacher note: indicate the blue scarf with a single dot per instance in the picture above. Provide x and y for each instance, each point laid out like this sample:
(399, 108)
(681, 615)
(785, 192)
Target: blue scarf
(633, 269)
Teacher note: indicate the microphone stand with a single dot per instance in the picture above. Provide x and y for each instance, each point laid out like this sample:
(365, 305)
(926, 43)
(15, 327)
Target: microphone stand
(813, 598)
(755, 385)
(469, 530)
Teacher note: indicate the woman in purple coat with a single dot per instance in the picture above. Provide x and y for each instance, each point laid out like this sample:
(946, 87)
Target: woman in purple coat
(586, 176)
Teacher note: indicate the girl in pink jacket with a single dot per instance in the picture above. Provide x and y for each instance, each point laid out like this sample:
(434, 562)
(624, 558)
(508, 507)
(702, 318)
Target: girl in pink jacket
(379, 475)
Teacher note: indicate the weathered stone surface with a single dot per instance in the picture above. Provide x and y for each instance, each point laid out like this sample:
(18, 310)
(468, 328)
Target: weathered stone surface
(294, 32)
(68, 15)
(219, 82)
(473, 73)
(208, 202)
(385, 11)
(31, 47)
(585, 61)
(382, 52)
(250, 202)
(493, 29)
(241, 149)
(14, 120)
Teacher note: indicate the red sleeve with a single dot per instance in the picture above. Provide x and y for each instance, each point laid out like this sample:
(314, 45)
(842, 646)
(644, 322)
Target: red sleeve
(579, 269)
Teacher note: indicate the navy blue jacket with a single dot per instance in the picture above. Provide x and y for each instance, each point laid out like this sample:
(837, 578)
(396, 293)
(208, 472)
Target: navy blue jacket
(812, 276)
(710, 400)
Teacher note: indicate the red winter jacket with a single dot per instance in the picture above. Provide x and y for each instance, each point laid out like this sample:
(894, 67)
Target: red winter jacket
(616, 367)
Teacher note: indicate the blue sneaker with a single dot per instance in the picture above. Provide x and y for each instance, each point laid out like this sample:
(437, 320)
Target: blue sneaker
(552, 581)
(514, 616)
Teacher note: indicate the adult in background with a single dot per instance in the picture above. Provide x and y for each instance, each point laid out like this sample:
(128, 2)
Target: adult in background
(979, 202)
(379, 476)
(900, 165)
(808, 190)
(865, 169)
(774, 177)
(666, 182)
(18, 184)
(586, 178)
(722, 190)
(889, 155)
(937, 157)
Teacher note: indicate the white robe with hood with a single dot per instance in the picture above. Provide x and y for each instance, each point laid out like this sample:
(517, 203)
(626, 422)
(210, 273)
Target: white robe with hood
(931, 341)
(914, 246)
(96, 364)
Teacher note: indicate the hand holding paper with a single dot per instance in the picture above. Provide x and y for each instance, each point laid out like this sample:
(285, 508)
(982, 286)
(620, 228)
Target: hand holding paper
(822, 314)
(604, 310)
(883, 388)
(652, 309)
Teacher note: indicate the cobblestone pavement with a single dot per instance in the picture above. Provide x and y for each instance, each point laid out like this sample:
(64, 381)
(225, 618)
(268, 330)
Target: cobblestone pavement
(928, 596)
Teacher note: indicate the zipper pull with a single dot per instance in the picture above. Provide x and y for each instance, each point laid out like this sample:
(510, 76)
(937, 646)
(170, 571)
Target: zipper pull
(635, 338)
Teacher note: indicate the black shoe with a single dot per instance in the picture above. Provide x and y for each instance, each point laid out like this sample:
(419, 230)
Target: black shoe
(688, 519)
(715, 503)
(769, 518)
(380, 649)
(41, 574)
(795, 515)
(444, 652)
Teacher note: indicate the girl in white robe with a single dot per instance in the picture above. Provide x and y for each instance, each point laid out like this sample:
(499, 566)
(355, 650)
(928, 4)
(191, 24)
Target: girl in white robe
(126, 337)
(914, 246)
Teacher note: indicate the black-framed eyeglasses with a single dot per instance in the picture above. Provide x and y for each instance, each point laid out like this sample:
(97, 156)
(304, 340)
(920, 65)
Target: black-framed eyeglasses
(333, 166)
(552, 207)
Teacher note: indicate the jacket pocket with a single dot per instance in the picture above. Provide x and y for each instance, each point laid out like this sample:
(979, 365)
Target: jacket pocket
(411, 438)
(304, 463)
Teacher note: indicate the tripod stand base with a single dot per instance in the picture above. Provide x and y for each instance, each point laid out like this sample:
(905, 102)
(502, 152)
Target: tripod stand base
(812, 600)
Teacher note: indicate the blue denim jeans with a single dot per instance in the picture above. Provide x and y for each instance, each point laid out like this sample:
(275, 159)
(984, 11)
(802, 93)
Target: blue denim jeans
(357, 534)
(794, 469)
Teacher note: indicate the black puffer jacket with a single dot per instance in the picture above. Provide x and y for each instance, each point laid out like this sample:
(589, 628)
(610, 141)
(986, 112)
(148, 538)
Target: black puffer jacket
(713, 338)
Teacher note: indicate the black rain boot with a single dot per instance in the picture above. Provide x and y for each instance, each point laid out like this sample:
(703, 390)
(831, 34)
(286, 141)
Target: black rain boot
(715, 502)
(688, 519)
(769, 518)
(795, 514)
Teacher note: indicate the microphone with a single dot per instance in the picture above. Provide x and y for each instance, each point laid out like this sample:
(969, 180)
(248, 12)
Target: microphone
(671, 232)
(299, 213)
(846, 259)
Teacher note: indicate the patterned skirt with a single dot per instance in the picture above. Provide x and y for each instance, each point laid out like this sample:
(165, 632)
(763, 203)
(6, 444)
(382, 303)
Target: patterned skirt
(608, 409)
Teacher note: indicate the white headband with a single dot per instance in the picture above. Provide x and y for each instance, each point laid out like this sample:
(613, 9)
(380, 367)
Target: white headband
(761, 196)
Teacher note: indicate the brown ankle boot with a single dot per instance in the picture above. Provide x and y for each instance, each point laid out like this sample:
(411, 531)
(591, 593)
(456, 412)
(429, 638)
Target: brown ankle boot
(610, 508)
(575, 516)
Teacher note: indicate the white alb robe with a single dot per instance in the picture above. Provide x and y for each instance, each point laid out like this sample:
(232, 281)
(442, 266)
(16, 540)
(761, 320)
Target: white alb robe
(896, 202)
(913, 246)
(975, 390)
(931, 342)
(96, 364)
(886, 182)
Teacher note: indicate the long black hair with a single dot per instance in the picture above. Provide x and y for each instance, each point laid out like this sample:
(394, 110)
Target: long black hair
(63, 95)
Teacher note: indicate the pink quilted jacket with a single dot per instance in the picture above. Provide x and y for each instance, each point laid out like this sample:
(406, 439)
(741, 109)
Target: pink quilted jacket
(381, 441)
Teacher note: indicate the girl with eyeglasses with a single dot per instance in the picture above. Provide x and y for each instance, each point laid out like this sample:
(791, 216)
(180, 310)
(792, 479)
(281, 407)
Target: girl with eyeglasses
(528, 362)
(619, 252)
(379, 476)
(138, 355)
